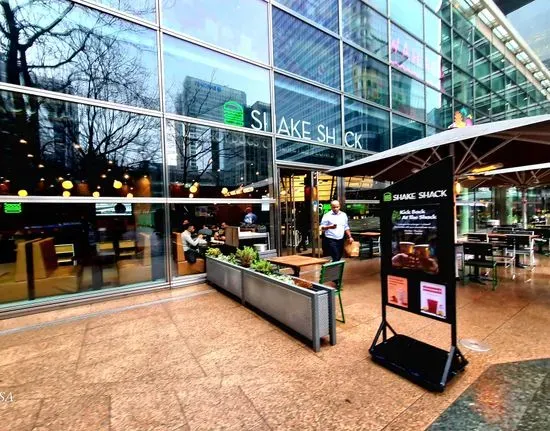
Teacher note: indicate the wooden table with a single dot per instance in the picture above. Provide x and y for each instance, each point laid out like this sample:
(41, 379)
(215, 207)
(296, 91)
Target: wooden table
(296, 262)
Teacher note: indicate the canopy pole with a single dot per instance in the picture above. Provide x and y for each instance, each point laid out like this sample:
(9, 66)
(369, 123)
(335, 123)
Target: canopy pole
(524, 207)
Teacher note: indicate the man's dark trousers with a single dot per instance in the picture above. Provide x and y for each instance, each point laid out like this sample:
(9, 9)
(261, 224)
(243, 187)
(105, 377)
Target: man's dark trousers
(335, 248)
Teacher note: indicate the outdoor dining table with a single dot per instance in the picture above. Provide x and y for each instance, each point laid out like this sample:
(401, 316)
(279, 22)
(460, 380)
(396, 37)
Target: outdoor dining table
(296, 262)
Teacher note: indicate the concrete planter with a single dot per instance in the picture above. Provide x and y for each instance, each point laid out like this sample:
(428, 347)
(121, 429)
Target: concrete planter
(308, 312)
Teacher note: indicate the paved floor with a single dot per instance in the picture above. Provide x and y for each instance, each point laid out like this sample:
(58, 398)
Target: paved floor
(171, 362)
(511, 396)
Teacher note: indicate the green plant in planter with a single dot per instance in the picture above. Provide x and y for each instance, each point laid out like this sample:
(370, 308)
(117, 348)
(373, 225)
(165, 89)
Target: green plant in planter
(246, 256)
(214, 252)
(229, 258)
(282, 277)
(262, 266)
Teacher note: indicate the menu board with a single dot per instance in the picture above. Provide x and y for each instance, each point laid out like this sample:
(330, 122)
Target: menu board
(417, 243)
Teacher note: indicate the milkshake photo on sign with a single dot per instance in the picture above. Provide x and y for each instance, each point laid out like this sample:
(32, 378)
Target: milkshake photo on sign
(432, 299)
(398, 291)
(414, 239)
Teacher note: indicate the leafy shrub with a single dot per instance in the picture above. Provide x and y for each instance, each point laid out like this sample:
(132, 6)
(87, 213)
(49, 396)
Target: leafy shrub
(246, 256)
(214, 252)
(263, 266)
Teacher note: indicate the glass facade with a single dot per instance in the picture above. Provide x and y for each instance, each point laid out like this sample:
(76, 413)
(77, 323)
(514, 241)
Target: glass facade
(120, 121)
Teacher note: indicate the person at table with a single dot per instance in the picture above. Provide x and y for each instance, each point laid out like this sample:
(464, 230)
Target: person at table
(250, 217)
(190, 244)
(220, 233)
(336, 229)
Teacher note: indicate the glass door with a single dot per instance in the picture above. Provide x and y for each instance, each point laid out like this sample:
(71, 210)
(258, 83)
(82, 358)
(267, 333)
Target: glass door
(304, 197)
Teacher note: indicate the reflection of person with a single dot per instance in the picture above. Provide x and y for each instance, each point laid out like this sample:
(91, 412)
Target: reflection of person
(250, 217)
(335, 225)
(189, 244)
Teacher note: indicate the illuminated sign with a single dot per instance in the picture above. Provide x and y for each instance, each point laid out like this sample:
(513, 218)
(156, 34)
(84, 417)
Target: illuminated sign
(303, 129)
(13, 208)
(233, 113)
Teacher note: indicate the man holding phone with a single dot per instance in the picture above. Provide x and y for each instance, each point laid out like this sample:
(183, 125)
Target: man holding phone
(335, 226)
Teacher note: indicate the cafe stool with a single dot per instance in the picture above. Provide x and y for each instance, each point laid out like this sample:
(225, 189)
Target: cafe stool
(334, 271)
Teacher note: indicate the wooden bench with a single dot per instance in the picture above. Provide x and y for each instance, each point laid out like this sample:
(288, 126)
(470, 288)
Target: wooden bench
(182, 266)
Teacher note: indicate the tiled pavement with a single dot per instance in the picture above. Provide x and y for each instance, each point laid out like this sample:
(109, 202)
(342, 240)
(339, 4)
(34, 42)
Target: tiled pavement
(205, 362)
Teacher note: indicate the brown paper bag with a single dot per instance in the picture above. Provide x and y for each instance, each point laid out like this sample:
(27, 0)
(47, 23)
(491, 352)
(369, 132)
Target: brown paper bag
(351, 249)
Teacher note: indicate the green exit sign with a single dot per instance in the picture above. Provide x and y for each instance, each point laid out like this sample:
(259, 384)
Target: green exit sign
(13, 208)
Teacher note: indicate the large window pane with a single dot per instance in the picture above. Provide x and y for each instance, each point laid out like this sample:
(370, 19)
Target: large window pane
(408, 14)
(407, 95)
(463, 87)
(436, 32)
(307, 112)
(365, 77)
(324, 12)
(439, 109)
(55, 148)
(207, 162)
(438, 72)
(291, 151)
(304, 50)
(203, 84)
(210, 226)
(79, 248)
(238, 25)
(407, 53)
(367, 127)
(483, 98)
(405, 130)
(367, 28)
(462, 53)
(144, 9)
(64, 47)
(482, 68)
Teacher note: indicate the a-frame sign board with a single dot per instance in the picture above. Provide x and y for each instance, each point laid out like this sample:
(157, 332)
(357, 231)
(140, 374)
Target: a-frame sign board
(418, 273)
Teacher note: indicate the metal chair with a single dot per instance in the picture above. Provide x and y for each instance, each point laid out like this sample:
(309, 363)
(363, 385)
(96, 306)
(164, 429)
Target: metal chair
(334, 271)
(483, 258)
(524, 246)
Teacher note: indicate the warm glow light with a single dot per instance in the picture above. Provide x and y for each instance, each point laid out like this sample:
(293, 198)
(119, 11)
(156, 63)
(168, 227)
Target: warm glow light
(117, 184)
(66, 193)
(193, 189)
(30, 155)
(22, 141)
(191, 195)
(126, 176)
(42, 179)
(67, 184)
(40, 165)
(95, 194)
(103, 175)
(111, 162)
(458, 188)
(225, 191)
(22, 193)
(129, 195)
(60, 178)
(487, 168)
(195, 184)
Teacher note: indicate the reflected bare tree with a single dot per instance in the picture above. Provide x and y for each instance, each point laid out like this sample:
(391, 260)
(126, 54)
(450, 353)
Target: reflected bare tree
(66, 48)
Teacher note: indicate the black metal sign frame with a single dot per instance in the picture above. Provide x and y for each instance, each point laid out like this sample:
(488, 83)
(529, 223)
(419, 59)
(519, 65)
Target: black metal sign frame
(418, 273)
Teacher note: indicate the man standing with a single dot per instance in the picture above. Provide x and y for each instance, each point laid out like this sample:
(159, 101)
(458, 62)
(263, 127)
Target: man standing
(250, 217)
(335, 225)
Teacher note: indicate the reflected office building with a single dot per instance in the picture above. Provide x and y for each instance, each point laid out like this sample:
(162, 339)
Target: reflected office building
(157, 117)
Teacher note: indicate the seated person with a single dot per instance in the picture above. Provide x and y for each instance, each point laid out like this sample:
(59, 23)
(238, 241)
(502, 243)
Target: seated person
(190, 245)
(220, 233)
